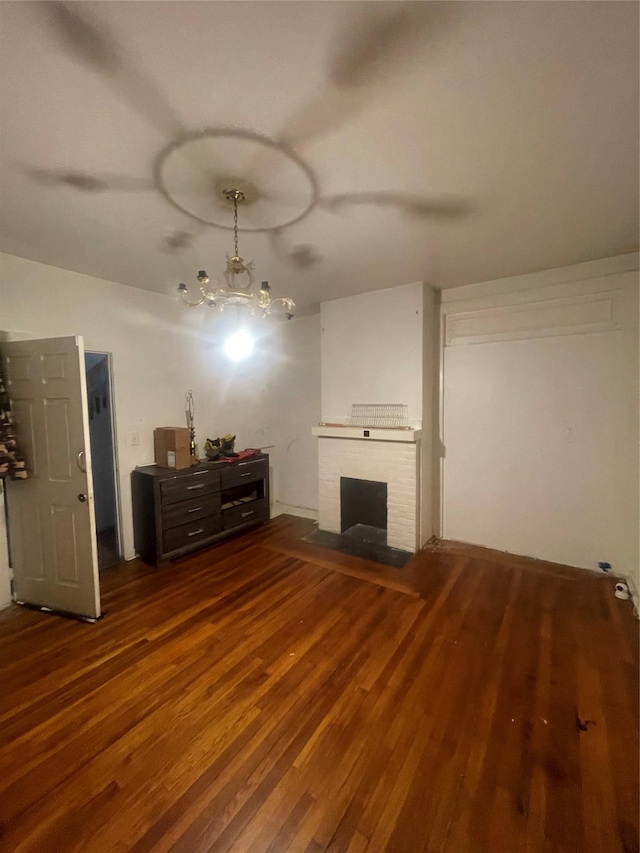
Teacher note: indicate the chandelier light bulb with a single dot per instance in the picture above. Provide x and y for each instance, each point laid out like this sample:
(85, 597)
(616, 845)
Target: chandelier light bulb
(239, 345)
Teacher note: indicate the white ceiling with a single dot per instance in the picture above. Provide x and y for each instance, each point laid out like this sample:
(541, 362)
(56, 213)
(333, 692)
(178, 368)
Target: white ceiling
(453, 142)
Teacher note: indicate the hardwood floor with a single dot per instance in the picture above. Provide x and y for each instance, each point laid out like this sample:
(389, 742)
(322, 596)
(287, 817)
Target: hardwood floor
(266, 696)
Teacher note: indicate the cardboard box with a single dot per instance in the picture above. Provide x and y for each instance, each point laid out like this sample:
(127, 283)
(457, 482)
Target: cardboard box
(171, 447)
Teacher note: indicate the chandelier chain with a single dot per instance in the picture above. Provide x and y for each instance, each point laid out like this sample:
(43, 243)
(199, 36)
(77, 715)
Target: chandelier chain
(235, 222)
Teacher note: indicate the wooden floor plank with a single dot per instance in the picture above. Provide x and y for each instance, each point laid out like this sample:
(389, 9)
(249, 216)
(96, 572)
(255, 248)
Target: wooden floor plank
(269, 695)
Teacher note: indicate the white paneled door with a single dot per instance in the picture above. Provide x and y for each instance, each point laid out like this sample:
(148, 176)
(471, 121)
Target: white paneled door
(51, 514)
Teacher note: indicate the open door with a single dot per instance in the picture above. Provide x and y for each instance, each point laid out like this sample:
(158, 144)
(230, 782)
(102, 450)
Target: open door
(51, 515)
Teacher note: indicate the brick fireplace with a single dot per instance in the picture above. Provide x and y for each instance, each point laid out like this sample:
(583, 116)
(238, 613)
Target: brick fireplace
(383, 456)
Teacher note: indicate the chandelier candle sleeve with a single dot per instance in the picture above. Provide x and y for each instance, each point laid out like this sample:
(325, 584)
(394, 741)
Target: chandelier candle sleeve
(239, 287)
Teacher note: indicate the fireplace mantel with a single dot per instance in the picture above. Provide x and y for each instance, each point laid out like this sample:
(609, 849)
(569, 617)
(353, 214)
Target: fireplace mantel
(406, 436)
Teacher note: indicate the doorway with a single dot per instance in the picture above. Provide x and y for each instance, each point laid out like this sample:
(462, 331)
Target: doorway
(103, 455)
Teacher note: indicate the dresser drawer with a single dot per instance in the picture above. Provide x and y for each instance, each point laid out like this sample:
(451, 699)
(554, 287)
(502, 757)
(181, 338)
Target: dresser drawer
(244, 472)
(191, 485)
(183, 512)
(245, 514)
(189, 535)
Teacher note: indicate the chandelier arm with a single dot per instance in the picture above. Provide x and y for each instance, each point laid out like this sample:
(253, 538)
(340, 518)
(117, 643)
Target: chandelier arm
(189, 302)
(286, 302)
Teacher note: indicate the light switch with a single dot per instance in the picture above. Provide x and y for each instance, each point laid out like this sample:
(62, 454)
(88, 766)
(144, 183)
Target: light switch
(134, 438)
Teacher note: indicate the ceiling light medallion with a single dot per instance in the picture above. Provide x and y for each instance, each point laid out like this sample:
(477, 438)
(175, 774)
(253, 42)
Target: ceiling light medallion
(240, 284)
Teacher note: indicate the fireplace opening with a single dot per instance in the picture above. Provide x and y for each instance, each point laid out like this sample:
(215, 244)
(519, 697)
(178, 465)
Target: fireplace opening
(363, 524)
(363, 510)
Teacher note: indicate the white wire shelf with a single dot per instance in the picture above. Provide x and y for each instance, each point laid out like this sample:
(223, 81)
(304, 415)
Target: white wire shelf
(383, 415)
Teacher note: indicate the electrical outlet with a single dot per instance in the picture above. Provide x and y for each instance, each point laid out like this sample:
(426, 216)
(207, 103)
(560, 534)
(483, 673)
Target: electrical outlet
(134, 438)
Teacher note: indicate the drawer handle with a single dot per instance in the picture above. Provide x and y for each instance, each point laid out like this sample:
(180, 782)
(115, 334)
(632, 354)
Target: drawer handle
(195, 509)
(195, 532)
(247, 474)
(245, 514)
(199, 486)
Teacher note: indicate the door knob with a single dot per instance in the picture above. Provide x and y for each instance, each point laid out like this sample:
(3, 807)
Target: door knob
(82, 498)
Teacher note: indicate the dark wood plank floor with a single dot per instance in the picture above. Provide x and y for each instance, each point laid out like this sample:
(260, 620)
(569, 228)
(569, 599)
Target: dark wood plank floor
(260, 697)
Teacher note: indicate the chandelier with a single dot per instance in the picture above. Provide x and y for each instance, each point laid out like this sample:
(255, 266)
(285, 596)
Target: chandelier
(240, 284)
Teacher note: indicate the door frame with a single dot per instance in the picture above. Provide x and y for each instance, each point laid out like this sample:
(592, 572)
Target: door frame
(115, 460)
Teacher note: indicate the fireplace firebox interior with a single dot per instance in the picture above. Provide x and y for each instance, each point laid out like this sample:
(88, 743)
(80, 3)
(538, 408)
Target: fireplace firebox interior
(363, 503)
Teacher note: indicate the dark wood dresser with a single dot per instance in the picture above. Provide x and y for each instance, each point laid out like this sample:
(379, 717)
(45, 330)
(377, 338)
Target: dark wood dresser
(178, 511)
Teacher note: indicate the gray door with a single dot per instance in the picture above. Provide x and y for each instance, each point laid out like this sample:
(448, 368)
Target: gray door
(51, 514)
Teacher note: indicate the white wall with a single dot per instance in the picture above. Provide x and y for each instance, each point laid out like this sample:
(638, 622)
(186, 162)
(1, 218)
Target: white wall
(297, 399)
(372, 351)
(160, 350)
(540, 415)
